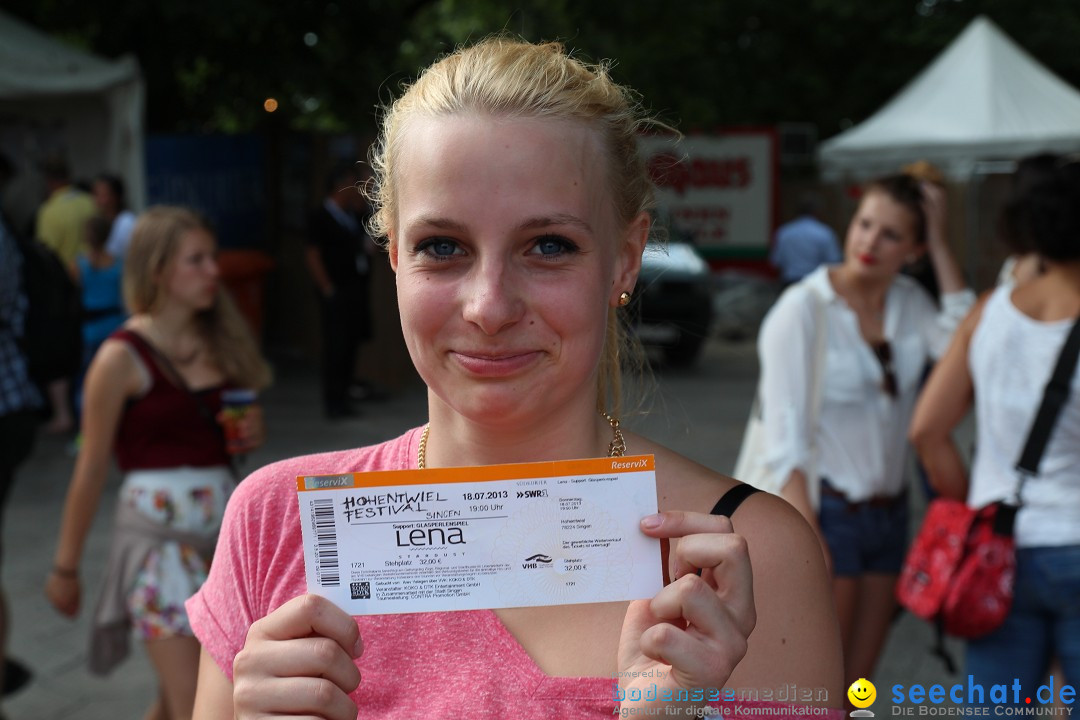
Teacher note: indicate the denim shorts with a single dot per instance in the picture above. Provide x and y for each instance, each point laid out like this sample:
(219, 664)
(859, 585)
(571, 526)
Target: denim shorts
(1044, 622)
(864, 537)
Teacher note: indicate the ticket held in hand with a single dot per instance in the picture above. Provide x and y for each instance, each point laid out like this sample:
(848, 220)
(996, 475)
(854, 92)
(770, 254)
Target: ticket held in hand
(488, 537)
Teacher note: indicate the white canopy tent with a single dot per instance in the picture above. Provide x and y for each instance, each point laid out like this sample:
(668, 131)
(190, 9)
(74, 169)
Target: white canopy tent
(982, 99)
(54, 98)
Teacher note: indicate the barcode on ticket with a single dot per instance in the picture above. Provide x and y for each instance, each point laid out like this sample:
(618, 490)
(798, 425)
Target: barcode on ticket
(326, 543)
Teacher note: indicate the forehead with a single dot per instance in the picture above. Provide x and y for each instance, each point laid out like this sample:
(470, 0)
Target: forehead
(501, 166)
(194, 240)
(885, 208)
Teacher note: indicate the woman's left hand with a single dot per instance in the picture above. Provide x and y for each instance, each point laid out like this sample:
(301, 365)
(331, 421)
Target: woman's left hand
(694, 632)
(249, 430)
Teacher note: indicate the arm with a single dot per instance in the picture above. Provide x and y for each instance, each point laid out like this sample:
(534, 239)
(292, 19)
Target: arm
(797, 639)
(785, 344)
(797, 494)
(315, 266)
(943, 403)
(938, 326)
(213, 691)
(113, 377)
(946, 270)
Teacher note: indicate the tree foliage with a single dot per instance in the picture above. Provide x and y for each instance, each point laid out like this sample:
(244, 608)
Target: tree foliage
(210, 65)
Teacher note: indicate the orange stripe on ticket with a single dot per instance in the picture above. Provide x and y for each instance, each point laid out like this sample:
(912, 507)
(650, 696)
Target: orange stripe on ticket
(479, 473)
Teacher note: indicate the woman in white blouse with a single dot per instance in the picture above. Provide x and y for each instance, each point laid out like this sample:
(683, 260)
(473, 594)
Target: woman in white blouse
(879, 329)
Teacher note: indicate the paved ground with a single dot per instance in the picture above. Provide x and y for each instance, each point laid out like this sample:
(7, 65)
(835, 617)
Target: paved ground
(699, 412)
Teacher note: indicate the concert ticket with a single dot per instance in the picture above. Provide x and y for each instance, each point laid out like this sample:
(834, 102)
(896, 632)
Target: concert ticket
(493, 536)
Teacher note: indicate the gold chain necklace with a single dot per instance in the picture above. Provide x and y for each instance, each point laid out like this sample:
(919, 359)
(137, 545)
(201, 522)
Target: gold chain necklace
(616, 448)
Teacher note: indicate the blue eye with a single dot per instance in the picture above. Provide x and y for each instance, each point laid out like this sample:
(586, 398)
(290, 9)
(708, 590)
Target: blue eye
(439, 248)
(553, 246)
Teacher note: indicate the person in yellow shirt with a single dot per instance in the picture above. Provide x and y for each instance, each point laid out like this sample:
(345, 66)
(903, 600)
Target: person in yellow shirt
(61, 219)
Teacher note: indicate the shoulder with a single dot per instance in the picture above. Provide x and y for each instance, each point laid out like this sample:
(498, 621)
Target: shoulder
(125, 220)
(774, 527)
(796, 304)
(116, 354)
(797, 635)
(681, 483)
(115, 365)
(987, 304)
(820, 227)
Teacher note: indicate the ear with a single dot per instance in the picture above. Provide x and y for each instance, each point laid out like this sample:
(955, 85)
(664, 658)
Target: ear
(628, 260)
(391, 250)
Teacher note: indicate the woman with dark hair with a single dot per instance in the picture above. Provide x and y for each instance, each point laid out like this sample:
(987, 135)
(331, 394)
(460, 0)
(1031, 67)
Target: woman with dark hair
(1000, 361)
(836, 437)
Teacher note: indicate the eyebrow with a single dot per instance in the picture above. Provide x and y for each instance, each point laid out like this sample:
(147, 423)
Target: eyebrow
(534, 223)
(440, 223)
(537, 223)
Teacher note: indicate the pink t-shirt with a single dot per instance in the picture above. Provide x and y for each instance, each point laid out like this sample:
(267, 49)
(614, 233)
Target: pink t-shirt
(453, 664)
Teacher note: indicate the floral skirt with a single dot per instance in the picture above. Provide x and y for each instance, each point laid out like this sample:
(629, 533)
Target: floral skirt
(189, 500)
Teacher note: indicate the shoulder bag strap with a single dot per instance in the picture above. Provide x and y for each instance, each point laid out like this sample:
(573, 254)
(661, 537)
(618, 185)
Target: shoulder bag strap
(818, 368)
(817, 393)
(1055, 395)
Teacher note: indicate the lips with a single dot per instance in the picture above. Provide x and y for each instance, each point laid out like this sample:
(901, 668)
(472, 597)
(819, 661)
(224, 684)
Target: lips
(866, 259)
(494, 365)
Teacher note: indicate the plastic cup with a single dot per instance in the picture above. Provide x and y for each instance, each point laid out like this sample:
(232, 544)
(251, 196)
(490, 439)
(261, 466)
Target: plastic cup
(234, 405)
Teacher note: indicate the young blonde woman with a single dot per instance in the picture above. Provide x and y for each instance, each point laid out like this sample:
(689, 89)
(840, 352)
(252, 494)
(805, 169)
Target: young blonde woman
(879, 330)
(516, 207)
(152, 398)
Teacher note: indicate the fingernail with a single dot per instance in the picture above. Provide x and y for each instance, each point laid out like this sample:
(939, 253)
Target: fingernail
(651, 522)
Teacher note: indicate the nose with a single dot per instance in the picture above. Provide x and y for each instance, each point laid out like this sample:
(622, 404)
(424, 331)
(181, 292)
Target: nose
(493, 298)
(212, 267)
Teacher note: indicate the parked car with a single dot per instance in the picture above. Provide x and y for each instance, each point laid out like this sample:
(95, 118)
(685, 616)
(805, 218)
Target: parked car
(672, 307)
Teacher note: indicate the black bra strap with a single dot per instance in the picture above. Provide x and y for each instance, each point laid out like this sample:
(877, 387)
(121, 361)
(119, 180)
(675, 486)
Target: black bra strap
(732, 499)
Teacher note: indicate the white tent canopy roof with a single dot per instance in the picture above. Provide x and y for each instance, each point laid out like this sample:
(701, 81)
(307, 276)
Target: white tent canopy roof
(32, 63)
(983, 98)
(57, 98)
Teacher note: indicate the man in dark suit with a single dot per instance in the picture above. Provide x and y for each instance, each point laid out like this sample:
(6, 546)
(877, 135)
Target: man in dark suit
(339, 259)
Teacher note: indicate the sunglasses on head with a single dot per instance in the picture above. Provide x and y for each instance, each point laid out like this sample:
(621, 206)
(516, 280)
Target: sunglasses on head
(883, 352)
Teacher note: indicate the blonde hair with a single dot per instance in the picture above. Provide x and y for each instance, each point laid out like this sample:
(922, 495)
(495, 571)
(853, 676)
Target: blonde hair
(505, 77)
(155, 242)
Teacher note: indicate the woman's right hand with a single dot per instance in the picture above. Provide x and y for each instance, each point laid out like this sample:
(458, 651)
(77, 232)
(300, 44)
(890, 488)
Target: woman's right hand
(298, 660)
(64, 592)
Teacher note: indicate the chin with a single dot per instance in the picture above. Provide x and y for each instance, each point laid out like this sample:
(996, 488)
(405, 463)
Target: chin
(498, 407)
